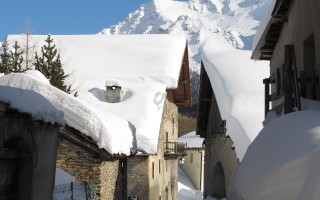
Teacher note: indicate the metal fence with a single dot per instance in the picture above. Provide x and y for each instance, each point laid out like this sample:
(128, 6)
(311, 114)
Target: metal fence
(74, 191)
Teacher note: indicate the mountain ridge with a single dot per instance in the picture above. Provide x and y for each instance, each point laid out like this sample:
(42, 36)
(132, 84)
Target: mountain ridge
(230, 23)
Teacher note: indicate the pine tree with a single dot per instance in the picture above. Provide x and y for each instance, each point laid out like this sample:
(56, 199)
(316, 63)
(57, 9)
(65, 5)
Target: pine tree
(5, 59)
(16, 59)
(50, 66)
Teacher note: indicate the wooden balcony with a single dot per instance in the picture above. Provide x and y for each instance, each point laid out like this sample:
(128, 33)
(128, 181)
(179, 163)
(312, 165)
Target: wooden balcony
(174, 150)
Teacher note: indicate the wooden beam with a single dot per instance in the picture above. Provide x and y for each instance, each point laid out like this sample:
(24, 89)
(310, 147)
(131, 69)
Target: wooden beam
(3, 106)
(266, 53)
(85, 143)
(266, 83)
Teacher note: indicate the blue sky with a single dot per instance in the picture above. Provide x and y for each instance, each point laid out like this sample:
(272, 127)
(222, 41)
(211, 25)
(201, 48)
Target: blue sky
(63, 16)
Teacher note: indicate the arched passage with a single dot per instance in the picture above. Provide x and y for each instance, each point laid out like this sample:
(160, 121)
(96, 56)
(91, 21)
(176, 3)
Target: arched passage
(16, 167)
(219, 190)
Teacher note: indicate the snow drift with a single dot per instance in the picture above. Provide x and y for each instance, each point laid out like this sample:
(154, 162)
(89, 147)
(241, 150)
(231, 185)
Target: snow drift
(282, 162)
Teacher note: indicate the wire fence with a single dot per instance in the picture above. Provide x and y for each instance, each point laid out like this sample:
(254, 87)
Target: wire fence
(74, 191)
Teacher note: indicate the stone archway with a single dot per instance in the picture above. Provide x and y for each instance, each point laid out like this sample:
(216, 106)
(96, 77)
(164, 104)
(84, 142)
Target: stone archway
(16, 167)
(219, 190)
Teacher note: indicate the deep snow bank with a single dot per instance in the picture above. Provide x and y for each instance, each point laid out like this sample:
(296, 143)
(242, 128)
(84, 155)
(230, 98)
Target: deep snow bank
(282, 162)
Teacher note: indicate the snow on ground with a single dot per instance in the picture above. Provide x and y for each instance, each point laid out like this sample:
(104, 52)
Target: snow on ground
(192, 140)
(186, 190)
(63, 177)
(143, 65)
(282, 162)
(237, 83)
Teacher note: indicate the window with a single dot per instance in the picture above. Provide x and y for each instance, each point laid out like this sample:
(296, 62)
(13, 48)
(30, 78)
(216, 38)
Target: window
(167, 136)
(166, 166)
(309, 54)
(159, 166)
(308, 85)
(191, 157)
(153, 170)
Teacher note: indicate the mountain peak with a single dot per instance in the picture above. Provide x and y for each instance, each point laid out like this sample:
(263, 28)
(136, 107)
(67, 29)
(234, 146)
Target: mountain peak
(230, 23)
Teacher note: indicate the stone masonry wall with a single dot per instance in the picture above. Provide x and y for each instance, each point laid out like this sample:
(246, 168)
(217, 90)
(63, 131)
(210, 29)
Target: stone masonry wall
(218, 149)
(137, 175)
(85, 167)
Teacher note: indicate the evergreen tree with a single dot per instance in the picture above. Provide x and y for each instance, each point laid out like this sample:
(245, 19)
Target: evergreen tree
(16, 59)
(5, 59)
(50, 66)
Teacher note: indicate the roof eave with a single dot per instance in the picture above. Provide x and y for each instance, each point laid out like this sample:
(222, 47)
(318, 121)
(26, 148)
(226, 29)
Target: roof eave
(181, 95)
(264, 48)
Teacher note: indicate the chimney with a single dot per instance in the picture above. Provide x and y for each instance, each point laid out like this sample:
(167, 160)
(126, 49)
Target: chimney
(113, 92)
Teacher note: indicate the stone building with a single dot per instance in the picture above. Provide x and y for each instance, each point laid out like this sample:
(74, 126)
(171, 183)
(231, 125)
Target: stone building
(80, 157)
(220, 158)
(194, 160)
(156, 176)
(28, 173)
(290, 39)
(27, 155)
(122, 138)
(230, 113)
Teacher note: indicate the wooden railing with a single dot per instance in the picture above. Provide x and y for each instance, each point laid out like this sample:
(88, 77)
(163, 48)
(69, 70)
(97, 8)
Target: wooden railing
(174, 148)
(290, 85)
(286, 95)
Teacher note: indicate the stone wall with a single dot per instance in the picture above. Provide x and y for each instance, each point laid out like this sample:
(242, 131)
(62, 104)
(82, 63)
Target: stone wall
(219, 154)
(137, 176)
(168, 176)
(218, 149)
(108, 176)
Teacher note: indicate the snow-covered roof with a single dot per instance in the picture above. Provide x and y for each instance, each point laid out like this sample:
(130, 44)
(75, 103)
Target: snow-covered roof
(29, 93)
(192, 140)
(283, 161)
(263, 26)
(156, 57)
(271, 26)
(236, 81)
(143, 65)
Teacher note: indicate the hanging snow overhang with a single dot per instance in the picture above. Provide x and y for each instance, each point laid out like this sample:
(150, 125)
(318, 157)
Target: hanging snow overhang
(263, 50)
(181, 96)
(67, 132)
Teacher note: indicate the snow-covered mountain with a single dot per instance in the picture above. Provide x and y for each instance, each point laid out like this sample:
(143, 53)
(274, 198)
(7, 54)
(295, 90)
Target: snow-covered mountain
(226, 23)
(229, 23)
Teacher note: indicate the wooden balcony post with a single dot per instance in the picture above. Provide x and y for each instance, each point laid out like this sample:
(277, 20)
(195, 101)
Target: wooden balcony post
(266, 83)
